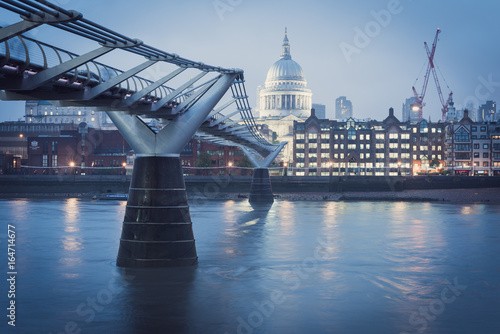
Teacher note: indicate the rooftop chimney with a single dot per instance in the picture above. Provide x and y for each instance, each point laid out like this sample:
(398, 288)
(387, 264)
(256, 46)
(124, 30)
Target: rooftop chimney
(391, 112)
(313, 112)
(466, 113)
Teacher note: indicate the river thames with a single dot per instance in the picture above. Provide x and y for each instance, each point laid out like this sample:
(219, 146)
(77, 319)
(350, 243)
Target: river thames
(297, 267)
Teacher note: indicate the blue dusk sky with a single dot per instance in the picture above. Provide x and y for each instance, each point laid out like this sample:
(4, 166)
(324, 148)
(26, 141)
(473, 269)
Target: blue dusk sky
(370, 51)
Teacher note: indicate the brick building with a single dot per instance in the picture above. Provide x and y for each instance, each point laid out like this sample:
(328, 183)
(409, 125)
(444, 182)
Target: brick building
(81, 150)
(353, 147)
(473, 148)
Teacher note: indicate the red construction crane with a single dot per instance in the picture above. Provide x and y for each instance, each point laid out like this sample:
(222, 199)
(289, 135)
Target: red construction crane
(417, 106)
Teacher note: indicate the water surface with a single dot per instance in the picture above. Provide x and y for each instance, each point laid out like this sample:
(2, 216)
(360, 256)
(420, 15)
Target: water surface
(297, 267)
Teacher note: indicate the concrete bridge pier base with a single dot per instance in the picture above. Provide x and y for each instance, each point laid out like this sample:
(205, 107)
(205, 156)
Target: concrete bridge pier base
(260, 190)
(157, 229)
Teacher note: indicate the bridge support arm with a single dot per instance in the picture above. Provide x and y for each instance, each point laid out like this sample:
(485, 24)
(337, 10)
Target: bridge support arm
(261, 190)
(157, 229)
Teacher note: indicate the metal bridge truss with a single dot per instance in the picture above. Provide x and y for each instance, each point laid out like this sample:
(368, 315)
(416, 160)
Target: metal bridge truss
(33, 70)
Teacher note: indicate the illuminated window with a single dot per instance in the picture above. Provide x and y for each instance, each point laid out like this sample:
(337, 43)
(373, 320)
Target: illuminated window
(351, 134)
(424, 127)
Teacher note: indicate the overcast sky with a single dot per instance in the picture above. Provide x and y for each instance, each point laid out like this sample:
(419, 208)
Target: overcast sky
(371, 51)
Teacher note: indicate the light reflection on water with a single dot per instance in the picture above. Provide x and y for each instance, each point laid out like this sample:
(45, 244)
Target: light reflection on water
(293, 267)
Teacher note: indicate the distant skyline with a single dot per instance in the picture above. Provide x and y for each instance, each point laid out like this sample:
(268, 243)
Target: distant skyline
(369, 51)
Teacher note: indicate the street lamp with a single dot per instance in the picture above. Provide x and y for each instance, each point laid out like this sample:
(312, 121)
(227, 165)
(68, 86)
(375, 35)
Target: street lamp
(230, 165)
(285, 172)
(330, 167)
(399, 168)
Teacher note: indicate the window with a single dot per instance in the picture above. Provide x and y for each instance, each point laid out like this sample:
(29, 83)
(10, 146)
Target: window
(486, 146)
(433, 130)
(379, 146)
(361, 155)
(325, 155)
(367, 137)
(361, 146)
(336, 137)
(361, 137)
(335, 146)
(341, 155)
(325, 136)
(312, 136)
(380, 136)
(299, 146)
(393, 155)
(341, 146)
(54, 161)
(405, 136)
(393, 136)
(325, 146)
(300, 155)
(299, 136)
(483, 128)
(341, 137)
(44, 160)
(313, 155)
(462, 147)
(414, 130)
(424, 127)
(351, 146)
(367, 155)
(367, 146)
(380, 155)
(336, 156)
(485, 163)
(476, 154)
(486, 155)
(393, 145)
(461, 135)
(313, 145)
(351, 134)
(474, 128)
(476, 146)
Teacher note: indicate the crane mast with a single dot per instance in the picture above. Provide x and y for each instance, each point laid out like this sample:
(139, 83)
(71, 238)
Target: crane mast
(419, 98)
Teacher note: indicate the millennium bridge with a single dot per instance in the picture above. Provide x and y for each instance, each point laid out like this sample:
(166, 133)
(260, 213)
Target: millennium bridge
(190, 99)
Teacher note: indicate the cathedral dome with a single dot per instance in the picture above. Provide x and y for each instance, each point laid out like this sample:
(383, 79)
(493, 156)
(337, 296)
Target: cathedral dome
(285, 90)
(285, 69)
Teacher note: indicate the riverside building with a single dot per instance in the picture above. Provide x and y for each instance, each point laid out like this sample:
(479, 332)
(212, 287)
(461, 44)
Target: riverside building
(324, 147)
